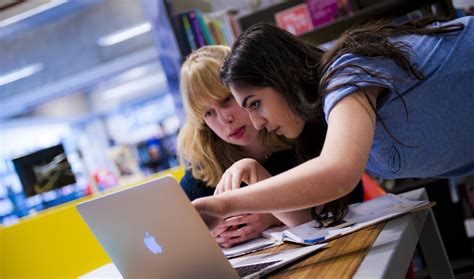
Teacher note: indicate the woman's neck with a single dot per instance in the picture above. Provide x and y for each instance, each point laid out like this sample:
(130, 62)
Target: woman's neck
(256, 151)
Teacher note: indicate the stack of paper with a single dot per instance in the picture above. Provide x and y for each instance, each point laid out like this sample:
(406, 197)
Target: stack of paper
(359, 216)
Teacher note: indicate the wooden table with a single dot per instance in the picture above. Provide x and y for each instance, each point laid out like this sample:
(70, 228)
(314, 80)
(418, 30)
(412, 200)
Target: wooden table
(381, 251)
(339, 259)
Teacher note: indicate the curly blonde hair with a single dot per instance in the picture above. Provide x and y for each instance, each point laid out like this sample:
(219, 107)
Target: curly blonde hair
(199, 148)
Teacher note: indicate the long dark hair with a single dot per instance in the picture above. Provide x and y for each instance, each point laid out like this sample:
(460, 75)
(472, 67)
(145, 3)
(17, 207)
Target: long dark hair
(372, 40)
(267, 56)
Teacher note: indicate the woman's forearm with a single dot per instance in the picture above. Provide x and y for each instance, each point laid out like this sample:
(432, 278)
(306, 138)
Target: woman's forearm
(294, 218)
(315, 182)
(351, 126)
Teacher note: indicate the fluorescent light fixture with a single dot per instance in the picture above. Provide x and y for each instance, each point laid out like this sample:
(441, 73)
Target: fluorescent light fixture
(31, 12)
(135, 88)
(20, 73)
(125, 34)
(134, 73)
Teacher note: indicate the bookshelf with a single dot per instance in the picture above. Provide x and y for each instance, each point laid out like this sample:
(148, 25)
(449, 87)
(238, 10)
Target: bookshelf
(362, 11)
(195, 29)
(265, 14)
(372, 10)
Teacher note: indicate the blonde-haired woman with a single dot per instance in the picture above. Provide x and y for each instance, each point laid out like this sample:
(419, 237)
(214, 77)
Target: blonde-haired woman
(217, 133)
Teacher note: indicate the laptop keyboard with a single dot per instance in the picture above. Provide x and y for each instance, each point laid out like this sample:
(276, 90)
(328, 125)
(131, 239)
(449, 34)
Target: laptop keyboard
(250, 269)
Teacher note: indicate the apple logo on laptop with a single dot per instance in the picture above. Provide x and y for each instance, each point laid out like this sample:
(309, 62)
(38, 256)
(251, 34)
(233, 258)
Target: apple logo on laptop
(151, 244)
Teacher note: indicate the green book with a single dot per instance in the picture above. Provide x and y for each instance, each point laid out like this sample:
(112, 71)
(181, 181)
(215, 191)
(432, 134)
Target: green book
(189, 31)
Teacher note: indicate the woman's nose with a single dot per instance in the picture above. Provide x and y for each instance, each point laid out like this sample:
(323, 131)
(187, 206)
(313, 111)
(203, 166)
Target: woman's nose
(226, 117)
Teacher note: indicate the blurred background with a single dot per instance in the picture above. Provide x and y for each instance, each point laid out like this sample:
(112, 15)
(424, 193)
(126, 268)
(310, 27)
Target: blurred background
(89, 95)
(84, 77)
(91, 85)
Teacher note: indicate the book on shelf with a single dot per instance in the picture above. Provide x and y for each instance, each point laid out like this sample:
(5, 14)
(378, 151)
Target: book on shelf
(324, 12)
(214, 27)
(226, 25)
(177, 26)
(203, 25)
(188, 32)
(196, 29)
(359, 216)
(295, 20)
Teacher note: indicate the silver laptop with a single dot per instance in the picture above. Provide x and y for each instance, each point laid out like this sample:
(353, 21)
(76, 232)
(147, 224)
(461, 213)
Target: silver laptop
(153, 231)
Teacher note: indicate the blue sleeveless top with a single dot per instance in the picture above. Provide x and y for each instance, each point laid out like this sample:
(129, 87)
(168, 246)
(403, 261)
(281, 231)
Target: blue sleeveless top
(438, 129)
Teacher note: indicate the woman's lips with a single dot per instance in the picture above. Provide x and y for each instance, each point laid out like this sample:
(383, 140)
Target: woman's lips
(238, 133)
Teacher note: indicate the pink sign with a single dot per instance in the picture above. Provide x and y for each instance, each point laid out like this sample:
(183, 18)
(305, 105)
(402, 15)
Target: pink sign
(325, 11)
(295, 20)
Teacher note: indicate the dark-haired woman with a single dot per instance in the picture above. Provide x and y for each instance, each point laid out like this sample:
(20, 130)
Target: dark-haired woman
(397, 100)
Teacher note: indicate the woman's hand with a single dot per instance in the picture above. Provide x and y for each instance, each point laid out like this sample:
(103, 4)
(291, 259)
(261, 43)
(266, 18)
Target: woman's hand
(240, 228)
(245, 170)
(212, 210)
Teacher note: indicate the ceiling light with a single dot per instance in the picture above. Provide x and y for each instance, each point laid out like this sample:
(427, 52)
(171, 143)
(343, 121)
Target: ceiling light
(123, 35)
(20, 73)
(135, 87)
(31, 12)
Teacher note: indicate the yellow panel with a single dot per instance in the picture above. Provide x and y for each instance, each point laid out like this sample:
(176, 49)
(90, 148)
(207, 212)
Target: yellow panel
(56, 243)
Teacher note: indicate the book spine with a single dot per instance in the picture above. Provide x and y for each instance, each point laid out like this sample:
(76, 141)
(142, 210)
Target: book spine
(205, 30)
(189, 32)
(181, 36)
(230, 28)
(235, 26)
(216, 33)
(223, 23)
(227, 29)
(196, 30)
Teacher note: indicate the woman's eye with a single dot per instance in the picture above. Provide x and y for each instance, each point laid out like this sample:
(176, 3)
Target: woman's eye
(255, 104)
(227, 99)
(207, 114)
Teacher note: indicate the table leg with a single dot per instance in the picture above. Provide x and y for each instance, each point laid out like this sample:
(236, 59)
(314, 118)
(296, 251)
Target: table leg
(433, 250)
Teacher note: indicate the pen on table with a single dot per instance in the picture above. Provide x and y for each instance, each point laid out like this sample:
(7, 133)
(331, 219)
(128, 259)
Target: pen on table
(316, 240)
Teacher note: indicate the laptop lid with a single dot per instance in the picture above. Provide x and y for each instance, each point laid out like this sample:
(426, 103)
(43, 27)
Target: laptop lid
(153, 231)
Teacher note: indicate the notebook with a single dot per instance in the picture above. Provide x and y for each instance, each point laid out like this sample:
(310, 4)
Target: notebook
(359, 216)
(153, 231)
